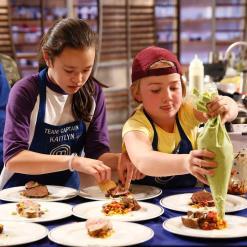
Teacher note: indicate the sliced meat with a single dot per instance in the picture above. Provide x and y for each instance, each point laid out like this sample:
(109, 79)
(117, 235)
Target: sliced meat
(29, 209)
(31, 184)
(202, 197)
(99, 227)
(131, 203)
(36, 192)
(117, 191)
(192, 219)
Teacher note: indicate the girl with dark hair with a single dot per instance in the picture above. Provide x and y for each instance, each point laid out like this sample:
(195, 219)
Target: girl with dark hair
(56, 119)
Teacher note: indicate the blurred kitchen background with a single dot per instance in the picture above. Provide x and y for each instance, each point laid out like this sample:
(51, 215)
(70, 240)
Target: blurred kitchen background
(215, 30)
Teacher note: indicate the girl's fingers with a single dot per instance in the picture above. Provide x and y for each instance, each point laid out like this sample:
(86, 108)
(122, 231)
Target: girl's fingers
(104, 172)
(108, 173)
(135, 174)
(140, 176)
(200, 170)
(201, 178)
(222, 109)
(220, 106)
(128, 178)
(204, 163)
(202, 153)
(121, 170)
(217, 101)
(96, 175)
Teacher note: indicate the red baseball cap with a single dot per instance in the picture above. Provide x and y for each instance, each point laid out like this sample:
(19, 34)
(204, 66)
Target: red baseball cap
(150, 55)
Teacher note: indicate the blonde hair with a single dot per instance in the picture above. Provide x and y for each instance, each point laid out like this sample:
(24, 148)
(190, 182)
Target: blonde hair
(135, 89)
(135, 86)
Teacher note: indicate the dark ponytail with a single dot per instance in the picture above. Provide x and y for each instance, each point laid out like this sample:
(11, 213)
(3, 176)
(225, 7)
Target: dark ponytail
(73, 33)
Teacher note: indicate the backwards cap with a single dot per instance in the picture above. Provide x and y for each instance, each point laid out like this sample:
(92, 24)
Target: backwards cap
(150, 55)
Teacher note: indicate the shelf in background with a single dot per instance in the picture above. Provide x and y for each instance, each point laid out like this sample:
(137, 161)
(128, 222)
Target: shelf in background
(199, 36)
(30, 19)
(167, 21)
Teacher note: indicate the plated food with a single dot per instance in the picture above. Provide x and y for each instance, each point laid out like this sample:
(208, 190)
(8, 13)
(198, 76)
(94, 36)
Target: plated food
(125, 234)
(34, 189)
(33, 211)
(29, 209)
(94, 209)
(184, 203)
(56, 193)
(112, 189)
(205, 220)
(236, 228)
(1, 228)
(99, 227)
(203, 217)
(122, 206)
(201, 199)
(140, 192)
(118, 191)
(107, 185)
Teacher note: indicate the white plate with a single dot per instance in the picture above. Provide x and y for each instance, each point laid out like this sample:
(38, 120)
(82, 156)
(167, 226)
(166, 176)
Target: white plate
(237, 226)
(53, 211)
(16, 233)
(57, 193)
(125, 234)
(140, 192)
(94, 209)
(180, 202)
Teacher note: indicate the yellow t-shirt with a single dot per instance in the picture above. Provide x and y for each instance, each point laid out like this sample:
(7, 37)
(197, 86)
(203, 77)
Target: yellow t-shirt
(167, 141)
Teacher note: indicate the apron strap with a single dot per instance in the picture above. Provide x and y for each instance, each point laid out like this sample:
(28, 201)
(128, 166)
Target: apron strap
(183, 136)
(187, 146)
(42, 95)
(155, 138)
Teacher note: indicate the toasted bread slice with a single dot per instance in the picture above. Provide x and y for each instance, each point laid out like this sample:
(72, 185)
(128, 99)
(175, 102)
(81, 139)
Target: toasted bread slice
(107, 185)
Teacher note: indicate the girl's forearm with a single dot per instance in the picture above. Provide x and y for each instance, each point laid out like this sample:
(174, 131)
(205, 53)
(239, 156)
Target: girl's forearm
(32, 163)
(155, 163)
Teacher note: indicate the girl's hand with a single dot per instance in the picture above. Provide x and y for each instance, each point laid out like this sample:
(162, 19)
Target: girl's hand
(197, 164)
(92, 167)
(127, 171)
(223, 106)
